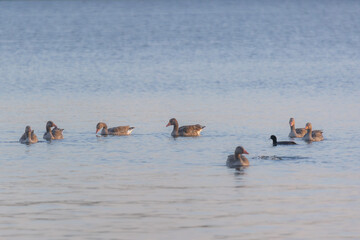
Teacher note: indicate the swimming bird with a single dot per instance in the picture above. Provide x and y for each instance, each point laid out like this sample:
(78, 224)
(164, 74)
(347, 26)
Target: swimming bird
(237, 159)
(311, 135)
(119, 131)
(184, 131)
(275, 142)
(295, 132)
(55, 133)
(28, 136)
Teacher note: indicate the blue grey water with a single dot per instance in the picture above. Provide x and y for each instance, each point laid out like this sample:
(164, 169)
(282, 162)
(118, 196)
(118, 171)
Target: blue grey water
(242, 68)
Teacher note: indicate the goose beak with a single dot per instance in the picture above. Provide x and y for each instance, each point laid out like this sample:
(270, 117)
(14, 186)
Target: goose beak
(54, 125)
(306, 127)
(168, 124)
(291, 124)
(97, 130)
(245, 152)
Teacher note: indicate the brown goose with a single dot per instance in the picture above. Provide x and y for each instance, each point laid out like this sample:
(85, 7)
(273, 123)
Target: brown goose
(295, 132)
(55, 133)
(121, 130)
(29, 136)
(184, 131)
(237, 160)
(299, 132)
(311, 135)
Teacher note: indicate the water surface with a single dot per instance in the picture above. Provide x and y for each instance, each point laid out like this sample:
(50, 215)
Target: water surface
(242, 68)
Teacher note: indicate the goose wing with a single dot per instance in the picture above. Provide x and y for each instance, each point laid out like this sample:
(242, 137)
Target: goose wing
(191, 129)
(57, 133)
(33, 136)
(120, 130)
(317, 134)
(300, 131)
(23, 137)
(231, 162)
(317, 131)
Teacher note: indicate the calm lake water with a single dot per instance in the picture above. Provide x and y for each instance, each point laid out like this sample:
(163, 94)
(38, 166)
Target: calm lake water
(242, 68)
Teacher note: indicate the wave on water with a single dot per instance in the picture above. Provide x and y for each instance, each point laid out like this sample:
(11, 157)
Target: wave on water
(280, 157)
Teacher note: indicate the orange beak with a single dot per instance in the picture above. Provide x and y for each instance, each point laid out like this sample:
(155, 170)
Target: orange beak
(245, 152)
(291, 124)
(97, 130)
(306, 127)
(168, 124)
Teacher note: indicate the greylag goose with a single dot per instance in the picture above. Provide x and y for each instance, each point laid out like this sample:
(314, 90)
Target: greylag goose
(311, 135)
(121, 130)
(184, 131)
(237, 160)
(275, 142)
(298, 132)
(28, 136)
(55, 133)
(295, 132)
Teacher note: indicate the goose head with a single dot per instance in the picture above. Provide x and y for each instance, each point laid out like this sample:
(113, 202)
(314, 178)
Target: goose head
(308, 126)
(173, 122)
(50, 124)
(292, 122)
(99, 126)
(240, 150)
(27, 129)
